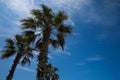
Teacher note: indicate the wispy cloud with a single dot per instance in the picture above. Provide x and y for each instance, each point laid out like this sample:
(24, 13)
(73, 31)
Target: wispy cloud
(6, 32)
(94, 58)
(109, 34)
(80, 64)
(100, 14)
(25, 68)
(89, 59)
(19, 7)
(86, 10)
(37, 53)
(60, 52)
(69, 6)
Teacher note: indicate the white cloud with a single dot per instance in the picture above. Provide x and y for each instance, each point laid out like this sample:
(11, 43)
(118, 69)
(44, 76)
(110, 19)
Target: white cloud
(104, 13)
(80, 64)
(83, 8)
(60, 52)
(8, 32)
(19, 7)
(87, 11)
(25, 68)
(95, 58)
(92, 58)
(68, 5)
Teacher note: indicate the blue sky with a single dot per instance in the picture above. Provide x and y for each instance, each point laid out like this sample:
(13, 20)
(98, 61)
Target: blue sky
(91, 53)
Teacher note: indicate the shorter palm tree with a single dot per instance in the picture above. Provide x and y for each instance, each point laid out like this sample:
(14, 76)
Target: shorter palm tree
(16, 46)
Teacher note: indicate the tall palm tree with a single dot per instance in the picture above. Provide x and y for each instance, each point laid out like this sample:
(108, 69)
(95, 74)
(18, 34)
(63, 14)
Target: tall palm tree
(45, 28)
(16, 46)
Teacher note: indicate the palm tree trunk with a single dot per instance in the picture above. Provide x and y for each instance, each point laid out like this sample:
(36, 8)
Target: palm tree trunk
(43, 56)
(13, 67)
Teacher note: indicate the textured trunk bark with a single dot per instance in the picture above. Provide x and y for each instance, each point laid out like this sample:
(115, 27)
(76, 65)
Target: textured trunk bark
(43, 56)
(13, 67)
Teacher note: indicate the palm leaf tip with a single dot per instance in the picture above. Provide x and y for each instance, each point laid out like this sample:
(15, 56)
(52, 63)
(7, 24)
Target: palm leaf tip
(19, 38)
(45, 8)
(7, 53)
(28, 23)
(56, 69)
(54, 43)
(35, 12)
(9, 41)
(61, 40)
(65, 29)
(25, 60)
(62, 15)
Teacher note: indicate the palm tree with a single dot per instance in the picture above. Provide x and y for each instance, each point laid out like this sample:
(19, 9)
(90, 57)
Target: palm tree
(16, 46)
(45, 28)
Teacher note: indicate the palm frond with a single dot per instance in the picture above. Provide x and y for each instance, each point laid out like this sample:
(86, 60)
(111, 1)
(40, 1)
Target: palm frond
(54, 43)
(7, 53)
(9, 49)
(28, 23)
(25, 60)
(46, 10)
(39, 44)
(29, 33)
(36, 13)
(60, 17)
(9, 41)
(9, 44)
(29, 37)
(30, 55)
(19, 38)
(55, 77)
(65, 29)
(55, 69)
(61, 41)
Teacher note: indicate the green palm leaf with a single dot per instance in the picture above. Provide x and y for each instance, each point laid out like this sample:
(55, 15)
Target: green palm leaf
(27, 59)
(54, 43)
(65, 29)
(28, 23)
(59, 18)
(61, 40)
(7, 53)
(9, 49)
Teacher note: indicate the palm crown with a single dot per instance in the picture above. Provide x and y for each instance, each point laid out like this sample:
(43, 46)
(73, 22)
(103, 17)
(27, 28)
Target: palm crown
(44, 21)
(16, 46)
